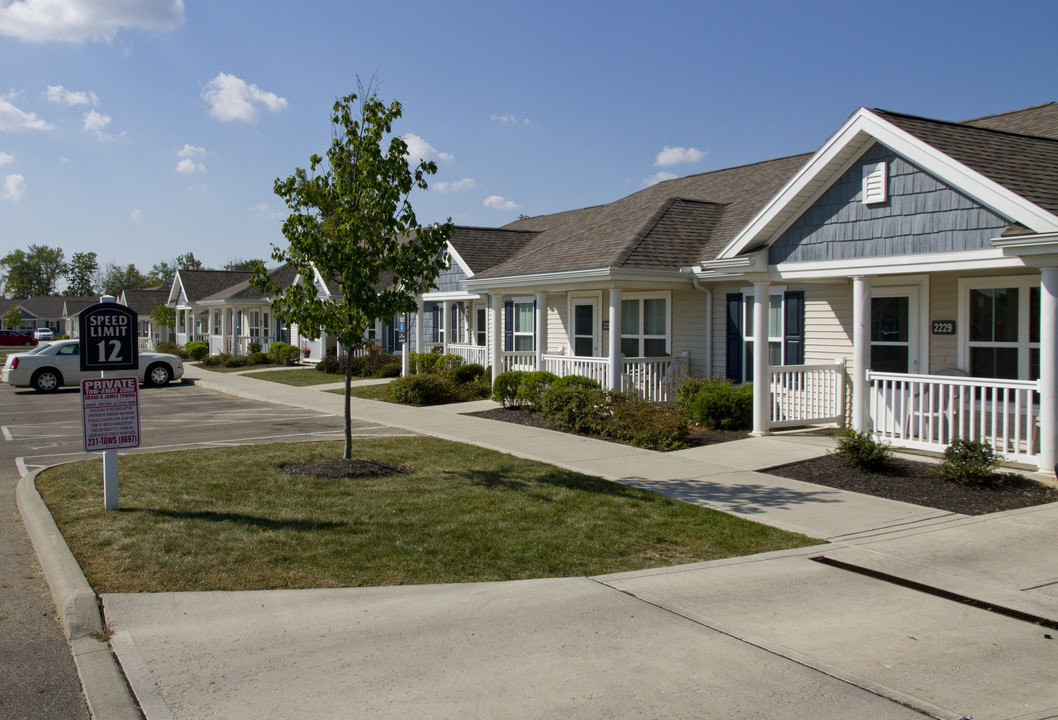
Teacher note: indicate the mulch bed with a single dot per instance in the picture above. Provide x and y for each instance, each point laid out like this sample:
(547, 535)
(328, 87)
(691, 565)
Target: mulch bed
(341, 468)
(920, 484)
(908, 481)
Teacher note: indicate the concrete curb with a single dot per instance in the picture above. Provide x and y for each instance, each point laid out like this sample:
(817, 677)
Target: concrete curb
(105, 690)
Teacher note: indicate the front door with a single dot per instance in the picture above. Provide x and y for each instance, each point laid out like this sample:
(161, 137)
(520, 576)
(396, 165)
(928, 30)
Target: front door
(585, 340)
(894, 330)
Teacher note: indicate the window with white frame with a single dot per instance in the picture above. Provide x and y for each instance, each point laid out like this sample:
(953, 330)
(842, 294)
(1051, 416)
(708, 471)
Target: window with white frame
(523, 325)
(1001, 321)
(786, 335)
(775, 331)
(645, 323)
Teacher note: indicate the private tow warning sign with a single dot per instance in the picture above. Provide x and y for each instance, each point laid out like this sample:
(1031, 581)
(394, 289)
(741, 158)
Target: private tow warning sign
(110, 409)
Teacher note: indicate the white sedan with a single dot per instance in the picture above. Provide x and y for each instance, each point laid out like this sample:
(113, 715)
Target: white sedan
(53, 365)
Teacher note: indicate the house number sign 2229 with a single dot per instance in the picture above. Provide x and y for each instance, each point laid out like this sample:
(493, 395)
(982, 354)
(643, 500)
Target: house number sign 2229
(943, 327)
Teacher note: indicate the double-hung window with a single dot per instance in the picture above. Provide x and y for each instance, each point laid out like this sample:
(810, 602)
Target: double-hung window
(645, 323)
(785, 318)
(1001, 317)
(519, 319)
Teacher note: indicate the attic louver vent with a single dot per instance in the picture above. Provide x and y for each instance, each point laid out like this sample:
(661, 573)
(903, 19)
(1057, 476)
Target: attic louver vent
(875, 183)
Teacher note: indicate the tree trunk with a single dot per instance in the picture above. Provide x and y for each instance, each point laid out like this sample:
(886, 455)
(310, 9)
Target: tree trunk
(348, 454)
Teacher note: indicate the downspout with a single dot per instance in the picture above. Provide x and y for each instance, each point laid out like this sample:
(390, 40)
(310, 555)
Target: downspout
(708, 321)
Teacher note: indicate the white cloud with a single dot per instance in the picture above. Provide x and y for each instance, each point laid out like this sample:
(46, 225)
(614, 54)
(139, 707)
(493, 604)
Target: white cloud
(6, 159)
(188, 155)
(96, 122)
(509, 119)
(678, 156)
(419, 149)
(14, 188)
(457, 186)
(657, 177)
(230, 98)
(264, 211)
(81, 20)
(498, 202)
(14, 120)
(136, 216)
(59, 94)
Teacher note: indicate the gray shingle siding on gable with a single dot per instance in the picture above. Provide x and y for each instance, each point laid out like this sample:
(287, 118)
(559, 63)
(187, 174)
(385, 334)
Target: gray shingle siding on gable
(451, 280)
(922, 215)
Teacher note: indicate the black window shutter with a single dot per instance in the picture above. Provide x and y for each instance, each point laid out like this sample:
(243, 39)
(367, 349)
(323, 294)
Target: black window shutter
(508, 325)
(734, 337)
(794, 338)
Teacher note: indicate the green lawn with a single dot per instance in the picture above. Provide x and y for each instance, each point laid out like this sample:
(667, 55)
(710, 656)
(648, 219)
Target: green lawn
(300, 377)
(366, 392)
(229, 519)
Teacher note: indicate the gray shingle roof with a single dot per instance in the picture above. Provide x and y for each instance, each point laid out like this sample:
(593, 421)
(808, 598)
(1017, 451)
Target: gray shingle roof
(1039, 120)
(1026, 165)
(666, 226)
(201, 284)
(484, 248)
(143, 301)
(282, 276)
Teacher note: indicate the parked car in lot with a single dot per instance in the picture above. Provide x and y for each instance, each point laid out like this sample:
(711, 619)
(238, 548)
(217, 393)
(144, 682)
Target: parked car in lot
(43, 334)
(16, 338)
(51, 366)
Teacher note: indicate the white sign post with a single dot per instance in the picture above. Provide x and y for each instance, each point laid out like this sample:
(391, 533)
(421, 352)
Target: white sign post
(110, 409)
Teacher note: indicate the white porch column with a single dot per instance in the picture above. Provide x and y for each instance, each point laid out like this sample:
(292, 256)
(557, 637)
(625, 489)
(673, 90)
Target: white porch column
(861, 351)
(495, 337)
(1048, 369)
(541, 329)
(761, 370)
(614, 354)
(419, 314)
(224, 325)
(446, 323)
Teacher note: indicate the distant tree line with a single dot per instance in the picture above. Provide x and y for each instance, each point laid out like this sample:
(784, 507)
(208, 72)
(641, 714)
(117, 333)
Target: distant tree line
(39, 270)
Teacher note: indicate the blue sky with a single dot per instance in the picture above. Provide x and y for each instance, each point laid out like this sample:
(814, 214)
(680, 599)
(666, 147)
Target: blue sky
(144, 129)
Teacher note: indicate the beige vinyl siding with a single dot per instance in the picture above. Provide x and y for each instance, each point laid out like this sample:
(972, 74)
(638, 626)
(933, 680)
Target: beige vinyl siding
(690, 328)
(557, 310)
(828, 322)
(943, 305)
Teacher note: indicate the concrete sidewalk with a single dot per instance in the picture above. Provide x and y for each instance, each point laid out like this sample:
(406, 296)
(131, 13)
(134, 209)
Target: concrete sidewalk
(774, 635)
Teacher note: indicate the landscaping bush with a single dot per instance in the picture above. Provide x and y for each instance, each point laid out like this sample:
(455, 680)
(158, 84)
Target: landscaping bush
(172, 348)
(282, 353)
(688, 390)
(575, 408)
(448, 364)
(420, 363)
(861, 450)
(576, 381)
(532, 386)
(425, 389)
(215, 360)
(253, 347)
(970, 461)
(368, 365)
(505, 387)
(468, 373)
(723, 406)
(196, 349)
(330, 364)
(389, 370)
(645, 425)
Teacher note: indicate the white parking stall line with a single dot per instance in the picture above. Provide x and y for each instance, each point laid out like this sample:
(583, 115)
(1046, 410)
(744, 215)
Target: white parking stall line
(7, 433)
(20, 464)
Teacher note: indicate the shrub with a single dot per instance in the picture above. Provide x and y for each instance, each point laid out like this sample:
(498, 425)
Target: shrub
(258, 358)
(576, 409)
(468, 373)
(688, 390)
(283, 353)
(861, 450)
(389, 370)
(253, 347)
(531, 387)
(645, 425)
(420, 363)
(214, 360)
(505, 387)
(723, 406)
(970, 461)
(172, 348)
(576, 381)
(448, 363)
(423, 389)
(330, 364)
(196, 349)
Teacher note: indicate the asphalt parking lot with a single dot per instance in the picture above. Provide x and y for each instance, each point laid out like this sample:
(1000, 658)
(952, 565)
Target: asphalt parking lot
(37, 430)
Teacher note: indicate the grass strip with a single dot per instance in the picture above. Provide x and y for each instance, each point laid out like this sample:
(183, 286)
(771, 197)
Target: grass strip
(229, 519)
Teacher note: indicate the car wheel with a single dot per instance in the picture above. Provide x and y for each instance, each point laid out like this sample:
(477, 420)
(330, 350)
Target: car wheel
(28, 343)
(46, 380)
(158, 374)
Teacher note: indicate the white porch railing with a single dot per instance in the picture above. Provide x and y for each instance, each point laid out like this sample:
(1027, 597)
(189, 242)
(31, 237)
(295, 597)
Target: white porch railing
(590, 367)
(653, 379)
(927, 412)
(470, 353)
(807, 394)
(519, 360)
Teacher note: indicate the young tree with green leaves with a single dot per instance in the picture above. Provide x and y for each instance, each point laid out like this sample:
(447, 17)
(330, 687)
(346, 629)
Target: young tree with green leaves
(351, 220)
(12, 318)
(81, 274)
(35, 271)
(116, 278)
